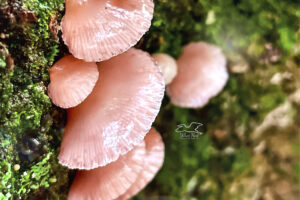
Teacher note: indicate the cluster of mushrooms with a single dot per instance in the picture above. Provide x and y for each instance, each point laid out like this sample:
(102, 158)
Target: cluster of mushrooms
(113, 93)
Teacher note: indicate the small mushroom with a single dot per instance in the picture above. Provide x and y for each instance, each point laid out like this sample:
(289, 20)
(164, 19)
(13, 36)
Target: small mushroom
(72, 80)
(109, 182)
(168, 66)
(96, 30)
(153, 161)
(202, 74)
(117, 115)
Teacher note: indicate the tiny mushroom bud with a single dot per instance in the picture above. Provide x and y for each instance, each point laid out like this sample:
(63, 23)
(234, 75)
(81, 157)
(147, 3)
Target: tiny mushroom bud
(16, 167)
(202, 74)
(72, 80)
(96, 30)
(168, 66)
(117, 115)
(109, 182)
(153, 161)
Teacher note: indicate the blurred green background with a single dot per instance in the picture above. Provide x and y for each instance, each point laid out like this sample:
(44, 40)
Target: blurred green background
(250, 146)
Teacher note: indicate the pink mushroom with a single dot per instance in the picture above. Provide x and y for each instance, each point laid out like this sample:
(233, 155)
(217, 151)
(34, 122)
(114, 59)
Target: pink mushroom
(72, 80)
(168, 66)
(117, 115)
(123, 178)
(96, 30)
(153, 161)
(109, 182)
(202, 74)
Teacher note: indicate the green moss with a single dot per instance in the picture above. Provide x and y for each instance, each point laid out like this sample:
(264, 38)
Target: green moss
(5, 85)
(43, 176)
(231, 24)
(33, 47)
(5, 167)
(25, 109)
(183, 157)
(6, 176)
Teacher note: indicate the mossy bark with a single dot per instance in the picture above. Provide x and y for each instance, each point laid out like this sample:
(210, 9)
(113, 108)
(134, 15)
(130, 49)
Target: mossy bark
(29, 122)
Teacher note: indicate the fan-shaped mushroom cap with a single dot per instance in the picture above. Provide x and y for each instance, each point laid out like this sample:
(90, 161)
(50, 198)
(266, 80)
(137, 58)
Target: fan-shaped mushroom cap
(116, 115)
(109, 182)
(153, 161)
(96, 30)
(202, 74)
(72, 80)
(168, 66)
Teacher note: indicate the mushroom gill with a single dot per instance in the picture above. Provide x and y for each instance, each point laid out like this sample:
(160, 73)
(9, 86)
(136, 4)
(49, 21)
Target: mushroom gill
(72, 80)
(96, 30)
(123, 178)
(153, 161)
(111, 181)
(117, 115)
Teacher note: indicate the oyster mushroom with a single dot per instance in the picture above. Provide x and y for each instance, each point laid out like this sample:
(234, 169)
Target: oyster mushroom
(153, 161)
(109, 182)
(168, 66)
(72, 80)
(96, 30)
(117, 115)
(202, 74)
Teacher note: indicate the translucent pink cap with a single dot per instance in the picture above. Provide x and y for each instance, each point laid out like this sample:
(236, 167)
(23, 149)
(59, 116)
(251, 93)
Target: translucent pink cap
(154, 158)
(167, 65)
(117, 115)
(202, 74)
(96, 30)
(109, 182)
(72, 80)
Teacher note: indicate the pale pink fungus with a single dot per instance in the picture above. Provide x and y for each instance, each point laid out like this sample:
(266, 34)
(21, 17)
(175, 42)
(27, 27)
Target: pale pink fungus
(202, 74)
(123, 178)
(96, 30)
(72, 80)
(168, 66)
(153, 161)
(109, 182)
(117, 115)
